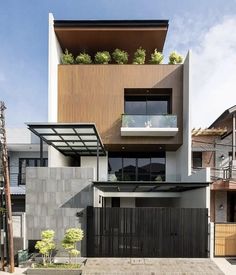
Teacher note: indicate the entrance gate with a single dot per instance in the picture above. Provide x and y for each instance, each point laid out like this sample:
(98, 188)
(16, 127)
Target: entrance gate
(147, 232)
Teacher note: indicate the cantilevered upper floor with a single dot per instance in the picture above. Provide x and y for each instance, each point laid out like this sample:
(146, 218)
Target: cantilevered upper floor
(131, 105)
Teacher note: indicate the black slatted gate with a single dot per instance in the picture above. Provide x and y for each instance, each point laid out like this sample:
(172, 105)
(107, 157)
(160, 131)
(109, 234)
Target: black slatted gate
(147, 232)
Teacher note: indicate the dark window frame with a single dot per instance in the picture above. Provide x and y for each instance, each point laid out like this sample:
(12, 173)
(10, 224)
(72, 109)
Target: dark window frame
(21, 180)
(137, 156)
(194, 158)
(145, 95)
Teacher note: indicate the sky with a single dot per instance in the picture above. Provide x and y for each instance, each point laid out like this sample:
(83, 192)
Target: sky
(207, 28)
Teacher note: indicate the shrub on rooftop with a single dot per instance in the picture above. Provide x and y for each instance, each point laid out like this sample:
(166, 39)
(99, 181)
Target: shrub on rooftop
(156, 57)
(102, 57)
(139, 56)
(175, 58)
(67, 58)
(120, 56)
(83, 58)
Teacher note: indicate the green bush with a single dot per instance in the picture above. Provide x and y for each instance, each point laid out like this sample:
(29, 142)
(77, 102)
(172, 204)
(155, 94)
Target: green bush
(83, 58)
(71, 237)
(139, 56)
(120, 56)
(67, 58)
(175, 58)
(46, 245)
(102, 57)
(156, 57)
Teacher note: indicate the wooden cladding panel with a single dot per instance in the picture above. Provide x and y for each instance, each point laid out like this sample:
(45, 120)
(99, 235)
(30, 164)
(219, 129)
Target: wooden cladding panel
(225, 240)
(95, 93)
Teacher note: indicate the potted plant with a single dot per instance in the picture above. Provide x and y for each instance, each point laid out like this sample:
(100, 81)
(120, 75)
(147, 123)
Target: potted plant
(67, 58)
(83, 58)
(175, 58)
(102, 57)
(156, 57)
(120, 56)
(139, 56)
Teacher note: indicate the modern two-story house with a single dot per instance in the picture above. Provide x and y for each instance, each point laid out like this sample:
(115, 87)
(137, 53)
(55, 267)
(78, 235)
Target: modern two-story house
(119, 157)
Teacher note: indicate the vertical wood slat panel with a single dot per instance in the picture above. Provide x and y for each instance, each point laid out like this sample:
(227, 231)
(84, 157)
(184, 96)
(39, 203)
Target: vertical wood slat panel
(147, 232)
(225, 239)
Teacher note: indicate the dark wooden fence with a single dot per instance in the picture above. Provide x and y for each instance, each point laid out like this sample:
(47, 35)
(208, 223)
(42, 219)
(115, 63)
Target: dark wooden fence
(147, 232)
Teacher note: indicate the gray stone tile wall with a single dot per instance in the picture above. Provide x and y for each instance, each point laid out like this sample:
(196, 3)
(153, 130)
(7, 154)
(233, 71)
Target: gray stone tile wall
(53, 198)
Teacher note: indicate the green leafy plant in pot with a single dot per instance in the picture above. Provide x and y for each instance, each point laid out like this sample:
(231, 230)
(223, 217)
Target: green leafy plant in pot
(175, 58)
(156, 57)
(139, 56)
(120, 56)
(83, 58)
(67, 58)
(102, 57)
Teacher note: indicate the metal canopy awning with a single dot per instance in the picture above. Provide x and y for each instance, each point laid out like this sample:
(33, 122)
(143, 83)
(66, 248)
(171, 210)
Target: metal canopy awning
(147, 186)
(71, 139)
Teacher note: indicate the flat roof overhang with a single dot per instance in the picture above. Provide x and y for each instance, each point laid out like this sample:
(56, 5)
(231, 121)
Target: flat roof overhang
(147, 186)
(71, 139)
(99, 35)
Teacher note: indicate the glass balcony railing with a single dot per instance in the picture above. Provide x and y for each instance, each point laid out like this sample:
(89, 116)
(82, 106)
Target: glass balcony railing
(149, 121)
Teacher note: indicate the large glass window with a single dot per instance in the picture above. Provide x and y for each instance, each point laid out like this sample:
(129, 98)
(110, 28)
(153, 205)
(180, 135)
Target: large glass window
(147, 105)
(136, 167)
(28, 162)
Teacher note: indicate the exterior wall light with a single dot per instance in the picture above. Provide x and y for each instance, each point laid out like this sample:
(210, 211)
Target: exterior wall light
(221, 206)
(222, 157)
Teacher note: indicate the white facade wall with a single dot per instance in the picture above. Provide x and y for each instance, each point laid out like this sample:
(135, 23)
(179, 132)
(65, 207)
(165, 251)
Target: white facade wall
(91, 162)
(198, 198)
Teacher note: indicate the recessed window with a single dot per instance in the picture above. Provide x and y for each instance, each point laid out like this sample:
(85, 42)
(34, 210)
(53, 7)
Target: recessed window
(136, 167)
(197, 159)
(147, 102)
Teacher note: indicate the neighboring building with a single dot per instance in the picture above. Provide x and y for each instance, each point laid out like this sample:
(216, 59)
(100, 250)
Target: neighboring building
(215, 147)
(119, 159)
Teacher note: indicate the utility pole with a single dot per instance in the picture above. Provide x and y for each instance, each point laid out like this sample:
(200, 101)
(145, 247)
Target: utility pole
(6, 177)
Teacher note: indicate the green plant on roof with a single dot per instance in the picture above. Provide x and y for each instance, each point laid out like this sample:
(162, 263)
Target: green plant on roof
(46, 246)
(67, 58)
(83, 58)
(120, 56)
(139, 56)
(175, 58)
(71, 238)
(156, 57)
(102, 57)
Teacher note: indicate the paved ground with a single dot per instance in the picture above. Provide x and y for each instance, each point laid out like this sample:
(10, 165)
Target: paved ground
(225, 266)
(150, 266)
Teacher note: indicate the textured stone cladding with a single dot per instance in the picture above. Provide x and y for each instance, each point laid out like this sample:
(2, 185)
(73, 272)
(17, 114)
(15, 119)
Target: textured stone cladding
(54, 196)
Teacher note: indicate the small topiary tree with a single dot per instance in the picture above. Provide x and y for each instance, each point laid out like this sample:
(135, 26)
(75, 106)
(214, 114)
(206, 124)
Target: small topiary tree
(71, 238)
(156, 57)
(67, 58)
(139, 56)
(120, 56)
(83, 58)
(102, 57)
(175, 58)
(46, 245)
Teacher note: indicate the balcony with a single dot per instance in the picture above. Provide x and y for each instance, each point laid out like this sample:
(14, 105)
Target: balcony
(149, 125)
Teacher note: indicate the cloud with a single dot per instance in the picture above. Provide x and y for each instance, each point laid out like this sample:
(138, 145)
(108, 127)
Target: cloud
(213, 78)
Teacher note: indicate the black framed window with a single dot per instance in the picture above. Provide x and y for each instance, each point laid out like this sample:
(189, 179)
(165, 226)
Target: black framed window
(28, 162)
(147, 105)
(197, 159)
(136, 167)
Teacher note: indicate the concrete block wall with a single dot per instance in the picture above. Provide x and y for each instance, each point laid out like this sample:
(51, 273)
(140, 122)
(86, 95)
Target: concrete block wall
(221, 212)
(53, 198)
